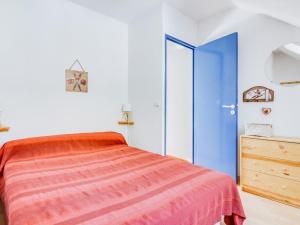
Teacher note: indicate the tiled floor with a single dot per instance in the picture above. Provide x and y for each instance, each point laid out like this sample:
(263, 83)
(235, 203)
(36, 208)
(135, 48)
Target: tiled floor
(259, 211)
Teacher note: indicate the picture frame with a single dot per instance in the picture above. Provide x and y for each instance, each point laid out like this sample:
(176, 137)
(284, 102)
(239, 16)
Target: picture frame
(258, 94)
(76, 81)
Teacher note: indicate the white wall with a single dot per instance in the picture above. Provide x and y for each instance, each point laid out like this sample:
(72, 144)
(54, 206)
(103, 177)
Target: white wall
(258, 37)
(38, 41)
(146, 80)
(179, 25)
(179, 105)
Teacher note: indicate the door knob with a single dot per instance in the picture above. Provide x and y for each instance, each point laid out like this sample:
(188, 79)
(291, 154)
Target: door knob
(228, 106)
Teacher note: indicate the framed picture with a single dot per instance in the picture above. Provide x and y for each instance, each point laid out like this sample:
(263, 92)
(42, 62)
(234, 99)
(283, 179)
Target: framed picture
(258, 94)
(76, 81)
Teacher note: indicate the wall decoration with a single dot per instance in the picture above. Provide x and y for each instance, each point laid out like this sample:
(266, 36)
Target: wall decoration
(258, 94)
(76, 81)
(266, 111)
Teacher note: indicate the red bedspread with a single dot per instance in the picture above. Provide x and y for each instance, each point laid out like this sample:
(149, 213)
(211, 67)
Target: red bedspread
(97, 179)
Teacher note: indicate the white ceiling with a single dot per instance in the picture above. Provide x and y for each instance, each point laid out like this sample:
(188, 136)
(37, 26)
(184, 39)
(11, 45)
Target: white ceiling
(127, 10)
(285, 10)
(199, 9)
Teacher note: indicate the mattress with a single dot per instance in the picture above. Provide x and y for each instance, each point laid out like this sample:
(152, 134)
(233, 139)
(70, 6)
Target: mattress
(96, 178)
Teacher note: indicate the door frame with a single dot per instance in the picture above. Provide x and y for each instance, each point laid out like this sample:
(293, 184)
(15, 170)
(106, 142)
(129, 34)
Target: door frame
(189, 46)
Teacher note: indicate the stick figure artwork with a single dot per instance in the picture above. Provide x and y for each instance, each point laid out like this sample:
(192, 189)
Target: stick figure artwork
(76, 81)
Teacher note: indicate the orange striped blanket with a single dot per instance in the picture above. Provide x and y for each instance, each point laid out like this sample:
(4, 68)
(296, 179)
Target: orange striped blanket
(98, 179)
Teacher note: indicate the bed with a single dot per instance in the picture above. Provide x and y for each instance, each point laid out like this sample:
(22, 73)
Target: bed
(96, 178)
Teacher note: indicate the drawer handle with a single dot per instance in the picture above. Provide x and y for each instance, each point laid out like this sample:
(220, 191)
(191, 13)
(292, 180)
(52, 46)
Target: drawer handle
(285, 151)
(287, 174)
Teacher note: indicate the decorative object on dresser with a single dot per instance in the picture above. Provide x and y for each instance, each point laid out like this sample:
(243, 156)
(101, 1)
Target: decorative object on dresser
(270, 167)
(257, 129)
(258, 94)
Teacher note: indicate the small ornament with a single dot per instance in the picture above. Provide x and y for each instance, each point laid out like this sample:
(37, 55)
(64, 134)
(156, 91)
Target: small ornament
(266, 111)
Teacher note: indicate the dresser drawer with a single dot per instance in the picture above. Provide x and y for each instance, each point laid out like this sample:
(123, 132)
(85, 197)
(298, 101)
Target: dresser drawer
(281, 187)
(288, 171)
(271, 149)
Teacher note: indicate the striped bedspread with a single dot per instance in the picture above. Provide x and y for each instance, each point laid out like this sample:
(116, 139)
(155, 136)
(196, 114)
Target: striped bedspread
(98, 179)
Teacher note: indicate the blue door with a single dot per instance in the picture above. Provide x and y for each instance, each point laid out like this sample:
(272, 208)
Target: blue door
(215, 105)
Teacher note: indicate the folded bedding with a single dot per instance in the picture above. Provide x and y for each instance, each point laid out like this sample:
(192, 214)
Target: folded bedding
(96, 178)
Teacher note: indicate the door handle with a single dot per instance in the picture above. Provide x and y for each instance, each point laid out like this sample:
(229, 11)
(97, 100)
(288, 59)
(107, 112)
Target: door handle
(228, 107)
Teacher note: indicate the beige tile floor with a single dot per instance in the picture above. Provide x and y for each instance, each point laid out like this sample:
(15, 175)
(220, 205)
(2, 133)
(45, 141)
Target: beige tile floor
(259, 211)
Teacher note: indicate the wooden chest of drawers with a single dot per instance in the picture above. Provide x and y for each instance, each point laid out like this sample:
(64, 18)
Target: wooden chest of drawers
(270, 167)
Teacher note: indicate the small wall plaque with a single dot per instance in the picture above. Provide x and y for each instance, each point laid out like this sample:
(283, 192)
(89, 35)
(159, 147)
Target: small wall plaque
(258, 94)
(76, 81)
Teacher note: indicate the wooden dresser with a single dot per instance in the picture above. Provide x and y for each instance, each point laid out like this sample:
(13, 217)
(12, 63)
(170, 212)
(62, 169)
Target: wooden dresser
(270, 167)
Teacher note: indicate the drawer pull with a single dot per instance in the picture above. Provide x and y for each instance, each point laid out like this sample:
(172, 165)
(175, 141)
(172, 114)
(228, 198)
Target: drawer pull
(287, 174)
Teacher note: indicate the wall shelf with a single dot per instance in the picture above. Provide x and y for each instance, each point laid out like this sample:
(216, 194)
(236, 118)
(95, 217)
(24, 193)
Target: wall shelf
(126, 123)
(4, 129)
(290, 82)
